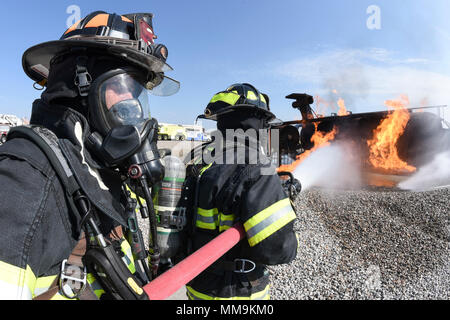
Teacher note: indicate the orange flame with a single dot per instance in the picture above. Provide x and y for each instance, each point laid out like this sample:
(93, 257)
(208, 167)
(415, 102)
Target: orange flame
(382, 148)
(322, 105)
(319, 139)
(342, 109)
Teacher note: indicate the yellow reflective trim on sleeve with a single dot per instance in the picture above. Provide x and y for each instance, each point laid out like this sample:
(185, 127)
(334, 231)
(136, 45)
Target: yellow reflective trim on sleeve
(227, 217)
(223, 228)
(225, 221)
(274, 227)
(262, 215)
(195, 295)
(203, 225)
(207, 218)
(207, 212)
(269, 221)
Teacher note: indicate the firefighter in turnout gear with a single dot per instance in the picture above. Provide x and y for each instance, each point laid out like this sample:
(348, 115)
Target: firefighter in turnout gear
(65, 209)
(229, 191)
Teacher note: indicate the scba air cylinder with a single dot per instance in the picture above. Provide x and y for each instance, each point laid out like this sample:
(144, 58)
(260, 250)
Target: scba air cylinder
(171, 215)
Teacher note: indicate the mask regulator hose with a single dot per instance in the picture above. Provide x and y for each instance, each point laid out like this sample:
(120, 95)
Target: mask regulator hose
(145, 170)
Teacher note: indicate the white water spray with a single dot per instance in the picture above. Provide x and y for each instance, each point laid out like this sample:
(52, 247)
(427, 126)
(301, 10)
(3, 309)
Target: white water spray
(329, 167)
(433, 175)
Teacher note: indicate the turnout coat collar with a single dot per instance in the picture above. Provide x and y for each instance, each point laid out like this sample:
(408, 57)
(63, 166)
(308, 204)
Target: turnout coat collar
(101, 185)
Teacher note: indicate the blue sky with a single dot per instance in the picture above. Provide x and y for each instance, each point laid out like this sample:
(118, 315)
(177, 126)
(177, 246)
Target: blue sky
(279, 46)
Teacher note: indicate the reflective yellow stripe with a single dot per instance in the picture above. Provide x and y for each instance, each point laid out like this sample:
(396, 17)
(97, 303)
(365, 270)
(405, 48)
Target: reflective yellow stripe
(226, 221)
(251, 95)
(95, 285)
(226, 217)
(207, 219)
(262, 98)
(268, 221)
(15, 282)
(195, 295)
(204, 225)
(211, 219)
(257, 218)
(128, 258)
(228, 97)
(205, 168)
(43, 284)
(207, 213)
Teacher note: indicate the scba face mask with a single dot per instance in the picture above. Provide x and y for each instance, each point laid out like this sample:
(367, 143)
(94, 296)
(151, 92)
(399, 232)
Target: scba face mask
(124, 101)
(120, 97)
(126, 134)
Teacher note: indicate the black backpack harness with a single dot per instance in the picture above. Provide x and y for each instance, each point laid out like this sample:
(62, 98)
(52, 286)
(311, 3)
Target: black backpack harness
(98, 257)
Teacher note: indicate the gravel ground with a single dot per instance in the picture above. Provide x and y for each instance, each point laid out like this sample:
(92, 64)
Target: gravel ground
(369, 244)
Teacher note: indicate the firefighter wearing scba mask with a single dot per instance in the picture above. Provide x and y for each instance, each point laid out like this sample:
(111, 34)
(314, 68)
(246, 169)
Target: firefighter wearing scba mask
(65, 208)
(249, 192)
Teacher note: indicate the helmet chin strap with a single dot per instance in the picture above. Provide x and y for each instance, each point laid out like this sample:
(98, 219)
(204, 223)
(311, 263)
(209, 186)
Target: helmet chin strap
(82, 79)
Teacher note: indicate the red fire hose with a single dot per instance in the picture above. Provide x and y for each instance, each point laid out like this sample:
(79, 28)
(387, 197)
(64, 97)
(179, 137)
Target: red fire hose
(170, 281)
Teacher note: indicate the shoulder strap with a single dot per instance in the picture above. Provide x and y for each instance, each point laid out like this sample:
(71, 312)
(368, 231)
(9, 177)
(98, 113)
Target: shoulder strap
(48, 144)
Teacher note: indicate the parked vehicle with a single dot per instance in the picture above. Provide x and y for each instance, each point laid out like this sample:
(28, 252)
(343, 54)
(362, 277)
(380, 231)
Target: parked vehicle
(4, 129)
(171, 132)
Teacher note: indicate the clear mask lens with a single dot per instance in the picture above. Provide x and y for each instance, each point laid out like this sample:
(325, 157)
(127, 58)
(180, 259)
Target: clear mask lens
(125, 100)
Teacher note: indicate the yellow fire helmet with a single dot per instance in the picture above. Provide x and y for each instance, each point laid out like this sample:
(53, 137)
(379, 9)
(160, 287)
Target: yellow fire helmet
(240, 96)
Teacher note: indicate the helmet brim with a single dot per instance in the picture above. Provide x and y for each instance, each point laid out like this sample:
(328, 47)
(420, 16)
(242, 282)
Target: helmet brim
(36, 60)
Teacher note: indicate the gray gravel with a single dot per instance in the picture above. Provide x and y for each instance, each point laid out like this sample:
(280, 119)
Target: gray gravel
(370, 244)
